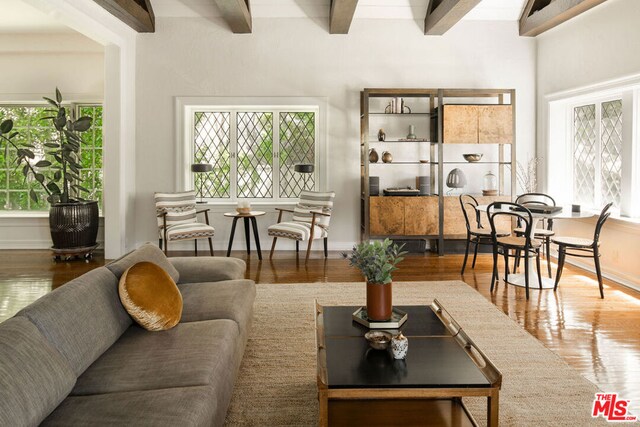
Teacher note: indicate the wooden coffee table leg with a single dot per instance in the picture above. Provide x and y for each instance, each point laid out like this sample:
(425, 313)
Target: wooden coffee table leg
(256, 237)
(233, 232)
(247, 235)
(493, 414)
(323, 399)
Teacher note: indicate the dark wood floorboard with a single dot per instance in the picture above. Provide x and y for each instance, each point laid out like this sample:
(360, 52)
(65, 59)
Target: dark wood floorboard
(599, 338)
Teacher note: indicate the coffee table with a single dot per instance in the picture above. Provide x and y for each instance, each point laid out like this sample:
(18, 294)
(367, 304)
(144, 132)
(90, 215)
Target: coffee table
(359, 385)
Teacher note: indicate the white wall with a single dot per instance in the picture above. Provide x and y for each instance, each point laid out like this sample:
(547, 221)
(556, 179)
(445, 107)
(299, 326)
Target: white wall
(297, 57)
(32, 66)
(595, 47)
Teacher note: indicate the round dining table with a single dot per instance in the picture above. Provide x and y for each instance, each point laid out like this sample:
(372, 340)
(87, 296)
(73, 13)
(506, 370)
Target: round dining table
(547, 283)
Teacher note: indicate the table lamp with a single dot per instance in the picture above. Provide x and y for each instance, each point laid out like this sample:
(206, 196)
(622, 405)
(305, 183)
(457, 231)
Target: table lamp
(201, 168)
(306, 169)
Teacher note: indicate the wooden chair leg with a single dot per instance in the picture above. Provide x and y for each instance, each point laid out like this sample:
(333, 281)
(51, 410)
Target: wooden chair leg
(526, 272)
(466, 254)
(516, 261)
(326, 247)
(506, 263)
(211, 246)
(494, 275)
(561, 256)
(273, 247)
(596, 260)
(538, 268)
(160, 243)
(308, 250)
(195, 246)
(166, 248)
(548, 254)
(475, 255)
(297, 246)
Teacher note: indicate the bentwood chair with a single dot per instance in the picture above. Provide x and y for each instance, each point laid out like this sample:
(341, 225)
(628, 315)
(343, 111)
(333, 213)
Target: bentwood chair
(177, 220)
(583, 248)
(476, 234)
(543, 234)
(525, 244)
(310, 221)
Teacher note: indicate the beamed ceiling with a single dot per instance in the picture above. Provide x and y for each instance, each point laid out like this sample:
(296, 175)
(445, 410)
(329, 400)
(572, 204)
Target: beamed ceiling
(535, 16)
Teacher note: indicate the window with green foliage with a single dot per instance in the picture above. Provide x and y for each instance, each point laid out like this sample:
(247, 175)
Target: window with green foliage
(33, 130)
(254, 151)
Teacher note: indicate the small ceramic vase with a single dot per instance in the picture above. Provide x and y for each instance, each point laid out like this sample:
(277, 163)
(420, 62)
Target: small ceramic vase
(381, 135)
(373, 156)
(399, 346)
(387, 157)
(412, 132)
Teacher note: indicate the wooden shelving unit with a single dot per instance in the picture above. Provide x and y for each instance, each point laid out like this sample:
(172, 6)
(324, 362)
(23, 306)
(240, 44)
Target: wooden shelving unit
(436, 217)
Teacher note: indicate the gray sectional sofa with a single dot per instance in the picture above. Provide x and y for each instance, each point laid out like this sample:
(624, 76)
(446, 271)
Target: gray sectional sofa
(74, 357)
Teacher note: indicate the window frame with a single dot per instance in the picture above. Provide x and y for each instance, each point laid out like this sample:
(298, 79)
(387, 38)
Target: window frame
(76, 106)
(186, 107)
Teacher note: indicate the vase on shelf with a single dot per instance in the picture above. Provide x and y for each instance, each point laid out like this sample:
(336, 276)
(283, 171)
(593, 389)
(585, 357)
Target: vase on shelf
(490, 185)
(387, 157)
(373, 156)
(382, 135)
(412, 132)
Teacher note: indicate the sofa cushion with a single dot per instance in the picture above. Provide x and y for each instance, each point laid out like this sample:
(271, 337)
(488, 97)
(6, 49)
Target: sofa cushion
(208, 269)
(182, 406)
(150, 296)
(146, 252)
(34, 377)
(82, 318)
(190, 354)
(228, 299)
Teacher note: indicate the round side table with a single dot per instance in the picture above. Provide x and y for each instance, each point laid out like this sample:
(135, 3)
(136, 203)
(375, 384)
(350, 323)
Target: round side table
(248, 218)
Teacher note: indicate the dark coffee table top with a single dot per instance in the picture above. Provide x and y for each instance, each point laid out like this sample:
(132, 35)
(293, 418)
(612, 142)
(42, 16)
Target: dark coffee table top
(435, 359)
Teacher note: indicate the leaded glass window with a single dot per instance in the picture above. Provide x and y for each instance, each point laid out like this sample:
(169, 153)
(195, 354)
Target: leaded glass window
(254, 151)
(28, 121)
(584, 150)
(611, 148)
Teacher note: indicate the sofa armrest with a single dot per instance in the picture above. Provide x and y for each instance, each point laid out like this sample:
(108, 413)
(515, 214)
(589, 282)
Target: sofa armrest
(208, 269)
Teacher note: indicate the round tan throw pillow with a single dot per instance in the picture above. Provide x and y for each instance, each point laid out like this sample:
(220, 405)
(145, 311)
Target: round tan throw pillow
(150, 296)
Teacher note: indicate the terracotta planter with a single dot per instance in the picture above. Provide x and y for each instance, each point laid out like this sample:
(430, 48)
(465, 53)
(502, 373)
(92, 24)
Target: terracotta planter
(379, 301)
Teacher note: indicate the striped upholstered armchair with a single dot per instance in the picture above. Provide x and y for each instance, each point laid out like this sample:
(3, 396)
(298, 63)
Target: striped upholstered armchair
(177, 219)
(311, 218)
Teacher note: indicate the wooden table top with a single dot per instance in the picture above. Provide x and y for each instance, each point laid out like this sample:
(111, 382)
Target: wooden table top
(244, 215)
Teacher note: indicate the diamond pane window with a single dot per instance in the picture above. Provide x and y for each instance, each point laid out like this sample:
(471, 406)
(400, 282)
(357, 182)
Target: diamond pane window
(297, 145)
(611, 149)
(584, 153)
(212, 140)
(255, 155)
(14, 190)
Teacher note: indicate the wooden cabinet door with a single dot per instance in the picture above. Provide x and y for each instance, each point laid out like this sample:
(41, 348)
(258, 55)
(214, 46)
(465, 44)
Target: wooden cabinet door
(421, 216)
(460, 124)
(386, 216)
(454, 224)
(495, 124)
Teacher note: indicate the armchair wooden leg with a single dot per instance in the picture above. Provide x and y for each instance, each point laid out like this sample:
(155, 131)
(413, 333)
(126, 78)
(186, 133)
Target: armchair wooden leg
(326, 247)
(210, 246)
(297, 246)
(160, 243)
(195, 246)
(273, 247)
(596, 260)
(166, 248)
(308, 249)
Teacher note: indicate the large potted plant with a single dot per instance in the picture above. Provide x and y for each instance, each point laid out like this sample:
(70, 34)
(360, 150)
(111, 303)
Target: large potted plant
(73, 221)
(377, 260)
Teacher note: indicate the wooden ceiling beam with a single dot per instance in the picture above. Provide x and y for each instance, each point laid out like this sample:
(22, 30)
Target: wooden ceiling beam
(237, 13)
(444, 14)
(539, 16)
(138, 14)
(341, 15)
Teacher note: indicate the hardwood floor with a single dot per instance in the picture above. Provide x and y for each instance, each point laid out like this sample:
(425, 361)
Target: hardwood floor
(599, 338)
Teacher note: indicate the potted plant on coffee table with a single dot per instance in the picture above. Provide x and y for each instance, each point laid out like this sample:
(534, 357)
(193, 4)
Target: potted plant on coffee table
(73, 221)
(377, 260)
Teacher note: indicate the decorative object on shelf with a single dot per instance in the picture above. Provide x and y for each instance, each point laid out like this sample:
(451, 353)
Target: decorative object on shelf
(387, 157)
(382, 135)
(378, 340)
(374, 185)
(201, 168)
(373, 156)
(73, 221)
(376, 261)
(423, 183)
(490, 185)
(424, 161)
(396, 106)
(412, 133)
(399, 346)
(472, 158)
(528, 178)
(456, 179)
(306, 169)
(244, 207)
(398, 317)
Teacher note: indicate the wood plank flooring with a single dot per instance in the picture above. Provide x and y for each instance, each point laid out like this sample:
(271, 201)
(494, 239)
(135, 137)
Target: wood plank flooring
(599, 338)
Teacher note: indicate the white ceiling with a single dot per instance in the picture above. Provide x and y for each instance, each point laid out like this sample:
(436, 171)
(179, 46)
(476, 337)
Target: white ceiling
(366, 9)
(19, 17)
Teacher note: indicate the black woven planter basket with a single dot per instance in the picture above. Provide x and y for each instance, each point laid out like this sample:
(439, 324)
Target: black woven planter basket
(74, 225)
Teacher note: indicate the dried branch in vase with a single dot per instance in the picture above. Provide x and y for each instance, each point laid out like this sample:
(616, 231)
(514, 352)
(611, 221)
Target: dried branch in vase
(528, 177)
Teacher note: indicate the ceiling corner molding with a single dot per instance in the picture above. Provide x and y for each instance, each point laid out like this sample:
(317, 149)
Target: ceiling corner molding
(237, 13)
(444, 14)
(539, 16)
(341, 15)
(138, 14)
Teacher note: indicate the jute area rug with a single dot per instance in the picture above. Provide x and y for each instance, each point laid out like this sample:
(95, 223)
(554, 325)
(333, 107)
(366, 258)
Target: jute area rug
(277, 380)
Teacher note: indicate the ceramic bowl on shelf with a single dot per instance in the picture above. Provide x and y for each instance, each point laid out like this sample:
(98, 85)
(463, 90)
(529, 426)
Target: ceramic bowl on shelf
(378, 340)
(473, 157)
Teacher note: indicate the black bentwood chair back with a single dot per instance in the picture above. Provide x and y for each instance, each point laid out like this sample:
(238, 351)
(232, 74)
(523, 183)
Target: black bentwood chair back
(582, 248)
(524, 243)
(544, 234)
